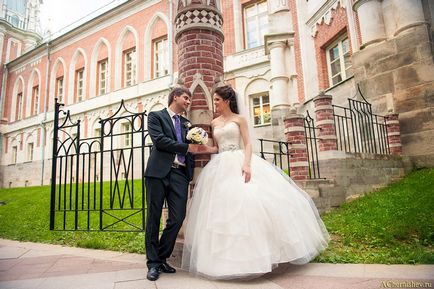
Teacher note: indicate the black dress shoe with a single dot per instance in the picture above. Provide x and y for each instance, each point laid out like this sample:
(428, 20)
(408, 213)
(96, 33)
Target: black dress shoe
(166, 268)
(153, 274)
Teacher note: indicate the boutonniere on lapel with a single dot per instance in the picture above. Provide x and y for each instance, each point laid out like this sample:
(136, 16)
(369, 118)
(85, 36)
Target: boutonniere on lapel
(187, 125)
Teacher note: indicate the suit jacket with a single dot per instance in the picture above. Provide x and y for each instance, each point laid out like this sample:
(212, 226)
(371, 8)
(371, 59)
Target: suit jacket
(165, 145)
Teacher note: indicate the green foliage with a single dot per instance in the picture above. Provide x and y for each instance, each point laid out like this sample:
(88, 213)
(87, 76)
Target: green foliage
(391, 226)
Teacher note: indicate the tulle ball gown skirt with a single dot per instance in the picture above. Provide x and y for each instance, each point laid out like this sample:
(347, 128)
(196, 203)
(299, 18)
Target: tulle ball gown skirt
(236, 229)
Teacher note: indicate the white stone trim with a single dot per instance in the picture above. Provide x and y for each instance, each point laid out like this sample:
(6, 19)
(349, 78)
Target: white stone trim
(298, 164)
(8, 49)
(323, 107)
(59, 61)
(119, 56)
(71, 82)
(28, 99)
(392, 121)
(324, 14)
(147, 61)
(327, 137)
(395, 145)
(393, 133)
(14, 97)
(197, 81)
(293, 129)
(96, 28)
(298, 146)
(325, 121)
(93, 67)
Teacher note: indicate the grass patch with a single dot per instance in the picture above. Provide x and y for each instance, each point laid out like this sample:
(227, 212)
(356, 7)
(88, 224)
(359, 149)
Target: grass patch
(391, 226)
(394, 225)
(25, 217)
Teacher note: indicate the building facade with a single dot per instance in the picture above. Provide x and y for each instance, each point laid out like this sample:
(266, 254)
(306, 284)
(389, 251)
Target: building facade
(278, 55)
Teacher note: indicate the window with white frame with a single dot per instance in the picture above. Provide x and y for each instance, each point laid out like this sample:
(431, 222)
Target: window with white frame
(19, 110)
(79, 84)
(261, 109)
(129, 67)
(30, 151)
(14, 154)
(255, 23)
(126, 131)
(59, 89)
(161, 57)
(339, 64)
(102, 76)
(35, 95)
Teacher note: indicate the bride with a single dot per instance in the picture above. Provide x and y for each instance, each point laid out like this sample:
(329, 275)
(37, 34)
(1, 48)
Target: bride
(246, 216)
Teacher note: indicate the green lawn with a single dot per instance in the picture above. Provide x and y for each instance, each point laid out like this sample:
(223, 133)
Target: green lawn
(394, 225)
(25, 217)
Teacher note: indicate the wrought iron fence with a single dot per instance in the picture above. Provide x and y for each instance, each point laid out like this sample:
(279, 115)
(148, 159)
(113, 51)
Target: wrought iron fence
(358, 129)
(311, 146)
(97, 182)
(278, 152)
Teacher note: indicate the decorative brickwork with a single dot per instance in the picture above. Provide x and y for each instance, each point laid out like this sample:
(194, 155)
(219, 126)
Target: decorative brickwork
(200, 38)
(393, 134)
(295, 136)
(325, 122)
(324, 36)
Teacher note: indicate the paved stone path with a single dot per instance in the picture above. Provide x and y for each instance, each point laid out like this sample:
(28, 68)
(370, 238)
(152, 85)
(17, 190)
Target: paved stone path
(25, 265)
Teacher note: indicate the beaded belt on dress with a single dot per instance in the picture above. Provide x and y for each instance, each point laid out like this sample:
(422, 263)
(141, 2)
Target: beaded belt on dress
(229, 147)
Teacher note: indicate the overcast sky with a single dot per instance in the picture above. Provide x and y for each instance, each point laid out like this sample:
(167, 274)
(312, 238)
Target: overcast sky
(65, 14)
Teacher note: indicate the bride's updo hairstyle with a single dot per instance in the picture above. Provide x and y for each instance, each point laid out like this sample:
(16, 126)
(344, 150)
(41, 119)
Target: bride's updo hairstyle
(227, 93)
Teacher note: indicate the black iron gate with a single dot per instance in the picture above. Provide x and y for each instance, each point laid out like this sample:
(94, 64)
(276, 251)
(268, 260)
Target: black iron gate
(97, 182)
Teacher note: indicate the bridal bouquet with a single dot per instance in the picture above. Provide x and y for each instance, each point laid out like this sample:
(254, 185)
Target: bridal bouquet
(197, 135)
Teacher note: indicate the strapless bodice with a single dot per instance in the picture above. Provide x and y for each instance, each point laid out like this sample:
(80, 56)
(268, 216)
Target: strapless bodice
(228, 136)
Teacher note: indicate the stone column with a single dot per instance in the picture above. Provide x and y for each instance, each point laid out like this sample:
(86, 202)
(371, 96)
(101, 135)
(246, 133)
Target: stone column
(2, 39)
(296, 137)
(372, 27)
(199, 37)
(325, 123)
(407, 14)
(277, 41)
(393, 134)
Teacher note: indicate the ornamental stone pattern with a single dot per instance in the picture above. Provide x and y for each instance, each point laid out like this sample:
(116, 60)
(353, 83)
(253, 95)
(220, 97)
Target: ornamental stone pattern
(200, 38)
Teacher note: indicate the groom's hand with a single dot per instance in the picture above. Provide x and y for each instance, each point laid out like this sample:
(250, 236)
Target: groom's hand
(201, 149)
(195, 148)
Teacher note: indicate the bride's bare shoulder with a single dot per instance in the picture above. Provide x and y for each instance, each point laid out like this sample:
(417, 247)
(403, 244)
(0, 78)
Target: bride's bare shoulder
(216, 121)
(240, 120)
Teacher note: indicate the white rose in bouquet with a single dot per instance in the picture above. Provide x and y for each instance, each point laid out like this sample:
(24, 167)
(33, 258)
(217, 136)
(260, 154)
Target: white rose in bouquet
(197, 135)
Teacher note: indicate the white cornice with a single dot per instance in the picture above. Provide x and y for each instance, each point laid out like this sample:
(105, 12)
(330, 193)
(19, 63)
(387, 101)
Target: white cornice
(101, 22)
(91, 27)
(324, 14)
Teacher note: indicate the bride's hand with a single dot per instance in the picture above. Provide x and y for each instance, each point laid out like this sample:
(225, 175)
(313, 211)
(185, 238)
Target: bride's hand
(247, 173)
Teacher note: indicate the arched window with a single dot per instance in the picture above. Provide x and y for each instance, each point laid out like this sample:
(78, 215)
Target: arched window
(126, 58)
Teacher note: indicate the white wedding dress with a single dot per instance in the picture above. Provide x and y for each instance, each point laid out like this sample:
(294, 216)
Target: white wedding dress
(236, 229)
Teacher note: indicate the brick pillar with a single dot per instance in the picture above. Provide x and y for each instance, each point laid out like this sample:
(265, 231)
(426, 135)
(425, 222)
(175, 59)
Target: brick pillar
(296, 137)
(393, 134)
(199, 37)
(325, 123)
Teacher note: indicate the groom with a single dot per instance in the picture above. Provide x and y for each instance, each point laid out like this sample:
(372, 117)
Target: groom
(168, 173)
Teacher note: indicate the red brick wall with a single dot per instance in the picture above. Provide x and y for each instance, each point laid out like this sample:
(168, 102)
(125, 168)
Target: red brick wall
(200, 51)
(325, 35)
